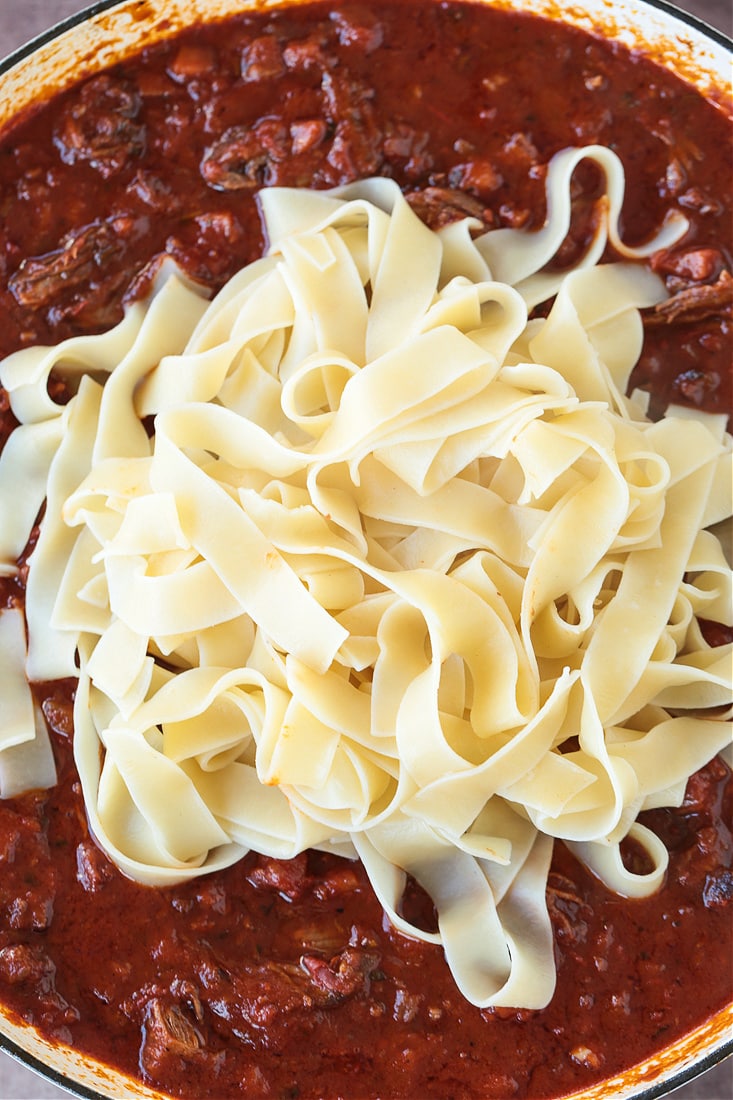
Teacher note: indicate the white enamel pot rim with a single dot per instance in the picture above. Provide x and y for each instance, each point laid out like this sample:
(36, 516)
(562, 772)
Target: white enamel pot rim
(110, 29)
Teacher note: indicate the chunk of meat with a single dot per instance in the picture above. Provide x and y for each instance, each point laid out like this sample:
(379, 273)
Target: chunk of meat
(192, 60)
(58, 710)
(203, 245)
(345, 975)
(288, 877)
(291, 878)
(694, 303)
(167, 1033)
(258, 1001)
(262, 58)
(694, 385)
(31, 910)
(409, 148)
(567, 910)
(93, 869)
(439, 206)
(689, 264)
(336, 883)
(356, 150)
(718, 889)
(521, 151)
(188, 993)
(173, 1043)
(696, 198)
(359, 28)
(250, 1001)
(154, 192)
(338, 144)
(478, 175)
(100, 126)
(26, 964)
(306, 54)
(701, 787)
(307, 134)
(243, 156)
(27, 890)
(44, 281)
(711, 837)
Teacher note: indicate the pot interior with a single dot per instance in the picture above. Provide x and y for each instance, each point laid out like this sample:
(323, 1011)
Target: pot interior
(111, 31)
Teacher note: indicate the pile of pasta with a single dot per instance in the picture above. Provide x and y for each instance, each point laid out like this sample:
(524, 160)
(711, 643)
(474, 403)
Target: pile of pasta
(398, 572)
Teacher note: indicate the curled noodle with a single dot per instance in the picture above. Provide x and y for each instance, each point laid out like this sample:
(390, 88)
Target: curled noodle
(401, 573)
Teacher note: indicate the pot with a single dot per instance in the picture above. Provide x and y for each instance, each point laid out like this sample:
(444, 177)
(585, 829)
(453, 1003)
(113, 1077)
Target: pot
(109, 30)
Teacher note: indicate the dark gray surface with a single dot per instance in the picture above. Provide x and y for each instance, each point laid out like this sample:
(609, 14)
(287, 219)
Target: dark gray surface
(21, 20)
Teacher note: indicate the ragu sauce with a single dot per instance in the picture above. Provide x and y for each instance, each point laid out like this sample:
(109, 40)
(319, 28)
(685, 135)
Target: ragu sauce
(284, 979)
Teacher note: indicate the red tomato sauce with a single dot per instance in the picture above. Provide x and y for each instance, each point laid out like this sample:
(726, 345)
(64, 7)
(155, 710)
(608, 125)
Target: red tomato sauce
(285, 979)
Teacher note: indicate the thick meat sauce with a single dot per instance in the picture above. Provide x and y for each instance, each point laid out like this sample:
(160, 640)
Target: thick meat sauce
(285, 979)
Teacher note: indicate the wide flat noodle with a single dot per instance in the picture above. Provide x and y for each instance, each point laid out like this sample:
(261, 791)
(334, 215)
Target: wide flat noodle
(398, 574)
(26, 757)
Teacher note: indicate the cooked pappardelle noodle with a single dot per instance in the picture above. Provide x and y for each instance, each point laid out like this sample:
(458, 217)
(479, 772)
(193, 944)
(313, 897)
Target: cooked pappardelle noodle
(400, 574)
